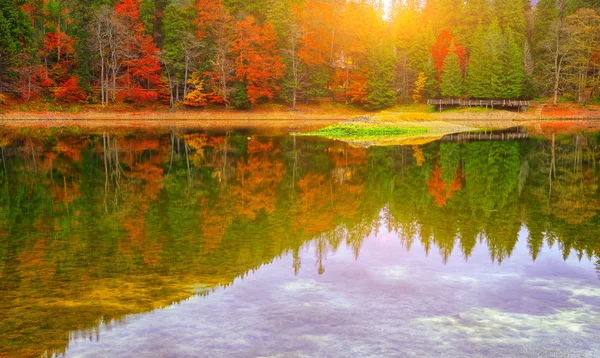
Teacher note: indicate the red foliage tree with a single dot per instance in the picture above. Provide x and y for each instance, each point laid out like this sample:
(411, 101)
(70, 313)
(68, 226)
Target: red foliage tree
(216, 25)
(57, 46)
(210, 12)
(441, 49)
(257, 62)
(357, 84)
(142, 75)
(316, 26)
(59, 42)
(69, 91)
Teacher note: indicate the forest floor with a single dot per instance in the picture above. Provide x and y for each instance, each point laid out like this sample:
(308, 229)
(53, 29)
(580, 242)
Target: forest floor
(569, 110)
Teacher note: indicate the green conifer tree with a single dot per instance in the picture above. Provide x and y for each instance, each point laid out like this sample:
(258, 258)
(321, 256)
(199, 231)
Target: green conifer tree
(511, 17)
(16, 36)
(513, 67)
(452, 79)
(476, 82)
(476, 13)
(485, 71)
(381, 76)
(279, 13)
(82, 14)
(420, 60)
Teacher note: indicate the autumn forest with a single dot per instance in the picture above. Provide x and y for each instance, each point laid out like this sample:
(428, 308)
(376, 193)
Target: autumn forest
(233, 54)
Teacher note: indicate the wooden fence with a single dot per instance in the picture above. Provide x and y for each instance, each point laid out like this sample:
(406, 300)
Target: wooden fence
(478, 102)
(473, 137)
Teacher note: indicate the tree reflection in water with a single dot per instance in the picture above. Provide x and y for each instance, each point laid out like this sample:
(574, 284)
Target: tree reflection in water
(98, 225)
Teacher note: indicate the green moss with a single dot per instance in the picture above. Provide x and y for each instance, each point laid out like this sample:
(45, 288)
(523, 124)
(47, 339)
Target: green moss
(362, 131)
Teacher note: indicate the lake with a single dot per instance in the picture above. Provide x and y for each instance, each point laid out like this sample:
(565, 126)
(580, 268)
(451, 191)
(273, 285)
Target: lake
(158, 243)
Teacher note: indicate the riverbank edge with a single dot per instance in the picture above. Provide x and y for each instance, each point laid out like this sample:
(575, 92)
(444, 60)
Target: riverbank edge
(273, 116)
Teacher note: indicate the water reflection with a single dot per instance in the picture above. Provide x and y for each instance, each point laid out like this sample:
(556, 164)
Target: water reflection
(95, 226)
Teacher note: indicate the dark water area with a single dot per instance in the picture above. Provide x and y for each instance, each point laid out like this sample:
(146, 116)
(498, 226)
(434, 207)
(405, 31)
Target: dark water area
(172, 244)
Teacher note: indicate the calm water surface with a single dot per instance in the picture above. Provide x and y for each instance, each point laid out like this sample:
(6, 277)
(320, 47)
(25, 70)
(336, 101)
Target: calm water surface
(183, 244)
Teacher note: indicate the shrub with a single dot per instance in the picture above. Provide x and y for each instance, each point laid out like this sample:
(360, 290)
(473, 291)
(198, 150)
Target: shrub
(69, 92)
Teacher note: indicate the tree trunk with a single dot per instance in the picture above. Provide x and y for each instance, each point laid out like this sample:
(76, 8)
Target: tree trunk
(294, 96)
(102, 78)
(185, 76)
(346, 84)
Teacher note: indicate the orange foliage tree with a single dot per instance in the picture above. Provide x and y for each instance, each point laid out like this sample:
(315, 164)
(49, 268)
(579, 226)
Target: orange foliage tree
(70, 92)
(441, 49)
(142, 74)
(316, 44)
(58, 47)
(257, 62)
(215, 29)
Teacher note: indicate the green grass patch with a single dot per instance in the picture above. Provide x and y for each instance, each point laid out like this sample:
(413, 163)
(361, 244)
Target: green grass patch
(365, 131)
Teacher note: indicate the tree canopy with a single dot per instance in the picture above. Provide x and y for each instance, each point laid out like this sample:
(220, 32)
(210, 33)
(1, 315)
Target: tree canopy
(248, 52)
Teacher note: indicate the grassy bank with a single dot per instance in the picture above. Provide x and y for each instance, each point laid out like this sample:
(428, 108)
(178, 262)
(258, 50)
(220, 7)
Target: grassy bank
(365, 130)
(368, 132)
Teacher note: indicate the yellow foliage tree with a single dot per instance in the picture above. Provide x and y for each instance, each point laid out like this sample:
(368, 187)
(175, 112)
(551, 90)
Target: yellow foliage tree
(417, 153)
(197, 97)
(420, 84)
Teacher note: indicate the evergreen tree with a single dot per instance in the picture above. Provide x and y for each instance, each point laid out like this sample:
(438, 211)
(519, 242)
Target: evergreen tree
(485, 71)
(513, 72)
(381, 76)
(477, 13)
(452, 79)
(243, 8)
(444, 14)
(82, 14)
(8, 41)
(545, 13)
(432, 86)
(16, 35)
(476, 83)
(421, 60)
(279, 14)
(239, 96)
(147, 15)
(511, 17)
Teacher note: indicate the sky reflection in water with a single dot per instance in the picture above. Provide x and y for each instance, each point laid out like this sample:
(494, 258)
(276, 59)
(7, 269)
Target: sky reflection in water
(389, 302)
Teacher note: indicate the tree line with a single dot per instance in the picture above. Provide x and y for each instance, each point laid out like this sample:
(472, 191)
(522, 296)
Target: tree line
(235, 53)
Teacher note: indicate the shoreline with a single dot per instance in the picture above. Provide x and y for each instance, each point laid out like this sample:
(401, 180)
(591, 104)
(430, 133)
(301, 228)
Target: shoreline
(538, 111)
(298, 116)
(284, 122)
